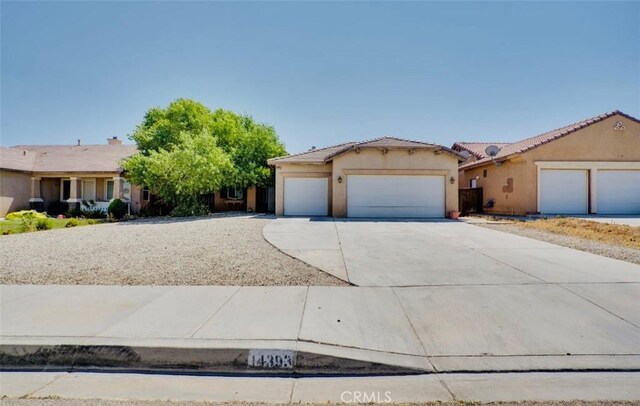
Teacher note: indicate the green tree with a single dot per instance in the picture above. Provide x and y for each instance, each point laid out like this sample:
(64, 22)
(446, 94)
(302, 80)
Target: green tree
(194, 165)
(187, 150)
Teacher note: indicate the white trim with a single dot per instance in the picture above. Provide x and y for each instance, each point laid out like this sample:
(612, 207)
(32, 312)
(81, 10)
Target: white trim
(36, 200)
(62, 180)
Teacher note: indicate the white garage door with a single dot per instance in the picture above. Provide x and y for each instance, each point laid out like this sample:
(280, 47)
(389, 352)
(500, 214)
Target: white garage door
(618, 192)
(395, 196)
(564, 191)
(306, 196)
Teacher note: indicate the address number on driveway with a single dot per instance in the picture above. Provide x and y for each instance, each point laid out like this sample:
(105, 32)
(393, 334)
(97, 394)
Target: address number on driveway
(272, 359)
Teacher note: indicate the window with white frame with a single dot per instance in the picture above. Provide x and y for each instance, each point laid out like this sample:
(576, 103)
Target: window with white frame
(108, 189)
(65, 189)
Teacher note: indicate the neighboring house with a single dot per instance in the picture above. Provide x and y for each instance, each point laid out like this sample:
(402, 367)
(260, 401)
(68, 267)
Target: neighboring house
(385, 177)
(34, 176)
(592, 166)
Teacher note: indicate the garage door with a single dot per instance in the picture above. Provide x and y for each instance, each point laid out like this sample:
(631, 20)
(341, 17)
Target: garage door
(564, 191)
(618, 192)
(395, 196)
(306, 196)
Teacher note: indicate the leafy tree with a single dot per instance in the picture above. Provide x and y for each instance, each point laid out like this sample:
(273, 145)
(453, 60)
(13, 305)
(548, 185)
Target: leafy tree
(187, 150)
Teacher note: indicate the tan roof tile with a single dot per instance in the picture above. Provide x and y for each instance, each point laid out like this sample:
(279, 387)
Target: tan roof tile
(65, 158)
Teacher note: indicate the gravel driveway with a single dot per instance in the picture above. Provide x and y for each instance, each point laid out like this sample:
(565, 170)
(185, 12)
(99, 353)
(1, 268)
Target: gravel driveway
(191, 251)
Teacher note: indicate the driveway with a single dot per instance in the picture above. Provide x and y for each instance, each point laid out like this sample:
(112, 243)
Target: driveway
(433, 253)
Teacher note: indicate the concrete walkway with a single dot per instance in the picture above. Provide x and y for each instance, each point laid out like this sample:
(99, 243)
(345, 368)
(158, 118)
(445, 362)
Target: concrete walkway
(437, 253)
(481, 327)
(400, 389)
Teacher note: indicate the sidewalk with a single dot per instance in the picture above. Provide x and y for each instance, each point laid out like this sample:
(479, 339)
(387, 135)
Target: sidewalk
(320, 330)
(613, 386)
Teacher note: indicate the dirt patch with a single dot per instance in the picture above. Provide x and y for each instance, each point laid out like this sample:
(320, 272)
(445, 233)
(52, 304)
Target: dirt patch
(583, 244)
(614, 234)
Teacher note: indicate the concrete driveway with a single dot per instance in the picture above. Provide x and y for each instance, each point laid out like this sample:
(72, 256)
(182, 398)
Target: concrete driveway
(435, 253)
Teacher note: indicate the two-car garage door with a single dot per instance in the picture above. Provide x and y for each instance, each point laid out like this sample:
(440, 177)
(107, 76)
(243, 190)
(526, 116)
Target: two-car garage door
(369, 196)
(395, 196)
(566, 191)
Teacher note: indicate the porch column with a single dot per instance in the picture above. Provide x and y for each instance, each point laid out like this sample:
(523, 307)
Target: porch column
(117, 187)
(74, 192)
(35, 201)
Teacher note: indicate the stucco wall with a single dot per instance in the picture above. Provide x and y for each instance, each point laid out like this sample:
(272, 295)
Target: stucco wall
(299, 171)
(371, 161)
(394, 162)
(15, 191)
(596, 143)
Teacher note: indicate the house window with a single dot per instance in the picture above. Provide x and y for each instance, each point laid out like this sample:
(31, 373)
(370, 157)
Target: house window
(109, 184)
(145, 195)
(66, 189)
(484, 173)
(473, 183)
(232, 193)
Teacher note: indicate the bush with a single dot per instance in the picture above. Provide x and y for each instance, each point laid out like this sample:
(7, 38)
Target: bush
(117, 209)
(73, 222)
(91, 222)
(57, 207)
(43, 224)
(73, 213)
(185, 209)
(30, 214)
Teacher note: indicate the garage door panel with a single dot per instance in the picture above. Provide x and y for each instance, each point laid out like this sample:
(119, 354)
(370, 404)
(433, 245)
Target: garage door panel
(395, 196)
(618, 192)
(564, 191)
(306, 196)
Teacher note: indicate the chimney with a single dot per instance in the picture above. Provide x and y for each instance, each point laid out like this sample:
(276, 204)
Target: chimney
(114, 141)
(78, 142)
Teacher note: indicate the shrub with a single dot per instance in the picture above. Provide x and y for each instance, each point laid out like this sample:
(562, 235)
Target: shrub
(30, 214)
(190, 208)
(57, 207)
(75, 212)
(117, 209)
(92, 222)
(43, 224)
(73, 222)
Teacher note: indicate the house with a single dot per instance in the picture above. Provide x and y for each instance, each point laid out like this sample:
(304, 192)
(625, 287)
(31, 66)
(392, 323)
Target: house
(37, 176)
(42, 176)
(384, 177)
(592, 166)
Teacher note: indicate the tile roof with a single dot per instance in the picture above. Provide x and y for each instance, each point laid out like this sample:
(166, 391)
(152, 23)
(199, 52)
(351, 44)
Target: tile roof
(477, 149)
(538, 140)
(65, 158)
(324, 155)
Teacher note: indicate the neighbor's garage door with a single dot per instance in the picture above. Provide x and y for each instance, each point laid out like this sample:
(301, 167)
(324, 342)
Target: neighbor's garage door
(618, 192)
(564, 191)
(395, 196)
(306, 196)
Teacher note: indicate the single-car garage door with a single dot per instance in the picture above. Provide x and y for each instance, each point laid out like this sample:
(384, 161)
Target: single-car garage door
(618, 192)
(564, 191)
(306, 196)
(395, 196)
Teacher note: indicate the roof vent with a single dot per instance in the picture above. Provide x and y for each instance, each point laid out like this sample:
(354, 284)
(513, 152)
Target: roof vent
(78, 142)
(313, 148)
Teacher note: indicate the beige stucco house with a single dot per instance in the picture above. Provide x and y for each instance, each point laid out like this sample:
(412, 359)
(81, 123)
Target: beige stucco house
(385, 177)
(34, 176)
(592, 166)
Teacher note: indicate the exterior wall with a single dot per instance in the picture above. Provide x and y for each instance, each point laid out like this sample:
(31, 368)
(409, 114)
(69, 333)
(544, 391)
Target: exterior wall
(15, 191)
(300, 171)
(136, 199)
(251, 199)
(590, 148)
(394, 162)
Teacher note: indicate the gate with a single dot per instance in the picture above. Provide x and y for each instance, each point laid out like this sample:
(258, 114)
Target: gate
(470, 200)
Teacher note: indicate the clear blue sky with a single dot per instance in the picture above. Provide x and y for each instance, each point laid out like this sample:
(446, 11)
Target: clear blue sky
(321, 73)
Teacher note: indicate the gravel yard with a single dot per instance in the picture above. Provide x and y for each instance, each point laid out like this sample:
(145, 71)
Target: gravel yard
(594, 247)
(216, 250)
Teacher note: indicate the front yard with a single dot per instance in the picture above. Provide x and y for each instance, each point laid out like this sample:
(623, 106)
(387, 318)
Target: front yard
(610, 240)
(188, 251)
(16, 226)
